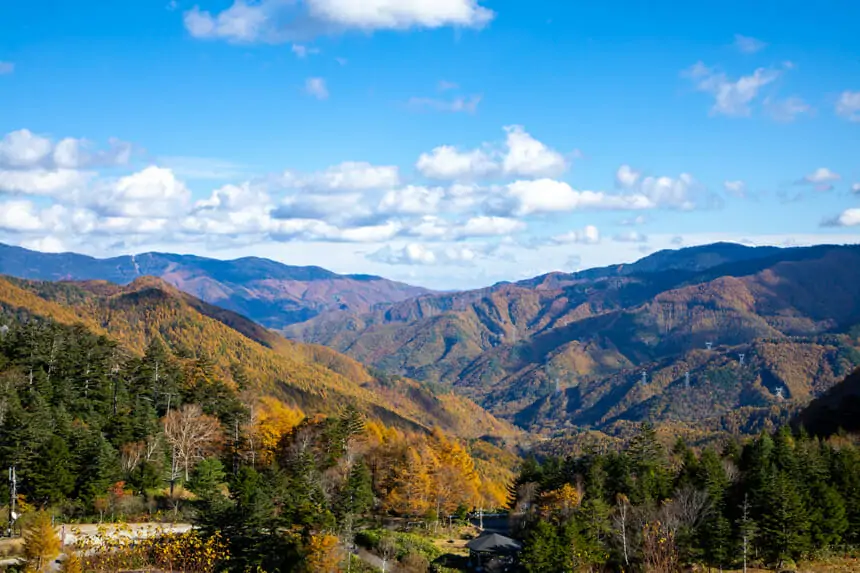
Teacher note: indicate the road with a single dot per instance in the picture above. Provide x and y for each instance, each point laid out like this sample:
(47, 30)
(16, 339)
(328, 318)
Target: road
(71, 533)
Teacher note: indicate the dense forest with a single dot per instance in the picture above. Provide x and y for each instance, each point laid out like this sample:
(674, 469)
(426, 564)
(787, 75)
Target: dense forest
(96, 432)
(770, 501)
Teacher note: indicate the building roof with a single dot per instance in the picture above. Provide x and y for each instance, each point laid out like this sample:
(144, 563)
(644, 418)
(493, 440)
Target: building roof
(493, 543)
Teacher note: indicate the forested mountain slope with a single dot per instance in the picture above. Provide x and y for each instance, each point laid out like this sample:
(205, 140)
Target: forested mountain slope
(595, 332)
(270, 293)
(221, 344)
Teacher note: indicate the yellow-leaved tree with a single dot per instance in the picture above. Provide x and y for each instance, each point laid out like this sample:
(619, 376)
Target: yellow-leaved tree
(323, 554)
(41, 543)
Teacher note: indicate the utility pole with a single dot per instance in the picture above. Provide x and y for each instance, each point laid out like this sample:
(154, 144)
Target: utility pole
(13, 488)
(687, 379)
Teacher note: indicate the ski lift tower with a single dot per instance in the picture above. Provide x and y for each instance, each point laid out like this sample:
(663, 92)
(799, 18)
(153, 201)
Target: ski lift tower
(687, 379)
(709, 345)
(741, 356)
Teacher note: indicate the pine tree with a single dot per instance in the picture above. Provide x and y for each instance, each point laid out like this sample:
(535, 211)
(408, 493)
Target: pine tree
(785, 527)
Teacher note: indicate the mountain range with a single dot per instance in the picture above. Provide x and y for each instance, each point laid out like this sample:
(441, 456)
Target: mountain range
(569, 350)
(270, 293)
(310, 377)
(702, 337)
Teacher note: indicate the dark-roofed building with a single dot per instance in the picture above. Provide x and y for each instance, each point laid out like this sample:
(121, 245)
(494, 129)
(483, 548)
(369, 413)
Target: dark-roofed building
(492, 552)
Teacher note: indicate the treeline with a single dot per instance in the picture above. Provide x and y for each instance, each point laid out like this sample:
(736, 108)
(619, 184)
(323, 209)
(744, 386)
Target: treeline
(96, 431)
(771, 501)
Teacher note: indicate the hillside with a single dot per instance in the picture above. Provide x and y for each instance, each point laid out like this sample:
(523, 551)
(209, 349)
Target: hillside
(838, 409)
(270, 293)
(594, 332)
(310, 377)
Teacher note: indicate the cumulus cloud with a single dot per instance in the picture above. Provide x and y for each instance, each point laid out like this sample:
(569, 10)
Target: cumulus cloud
(549, 196)
(528, 157)
(448, 163)
(316, 87)
(41, 181)
(748, 45)
(848, 218)
(275, 21)
(19, 216)
(822, 178)
(346, 176)
(151, 192)
(588, 235)
(412, 200)
(24, 149)
(848, 105)
(521, 156)
(418, 254)
(626, 177)
(731, 97)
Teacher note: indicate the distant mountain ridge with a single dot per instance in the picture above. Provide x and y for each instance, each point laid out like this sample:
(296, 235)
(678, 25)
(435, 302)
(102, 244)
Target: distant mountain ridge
(266, 291)
(595, 331)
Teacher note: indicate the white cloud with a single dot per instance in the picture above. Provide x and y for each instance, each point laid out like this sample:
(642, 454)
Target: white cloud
(484, 226)
(412, 200)
(786, 110)
(522, 156)
(23, 149)
(822, 175)
(346, 176)
(458, 104)
(748, 45)
(736, 188)
(731, 98)
(589, 235)
(47, 244)
(855, 188)
(626, 177)
(277, 21)
(446, 85)
(301, 51)
(528, 157)
(418, 254)
(151, 192)
(6, 68)
(848, 105)
(848, 218)
(446, 162)
(401, 14)
(630, 237)
(19, 216)
(41, 181)
(316, 87)
(548, 196)
(634, 221)
(669, 191)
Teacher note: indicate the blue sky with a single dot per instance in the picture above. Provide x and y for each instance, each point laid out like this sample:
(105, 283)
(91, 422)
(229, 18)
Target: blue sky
(451, 143)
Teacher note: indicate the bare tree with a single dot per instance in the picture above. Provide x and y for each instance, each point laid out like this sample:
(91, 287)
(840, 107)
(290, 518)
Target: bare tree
(192, 436)
(622, 524)
(131, 455)
(688, 509)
